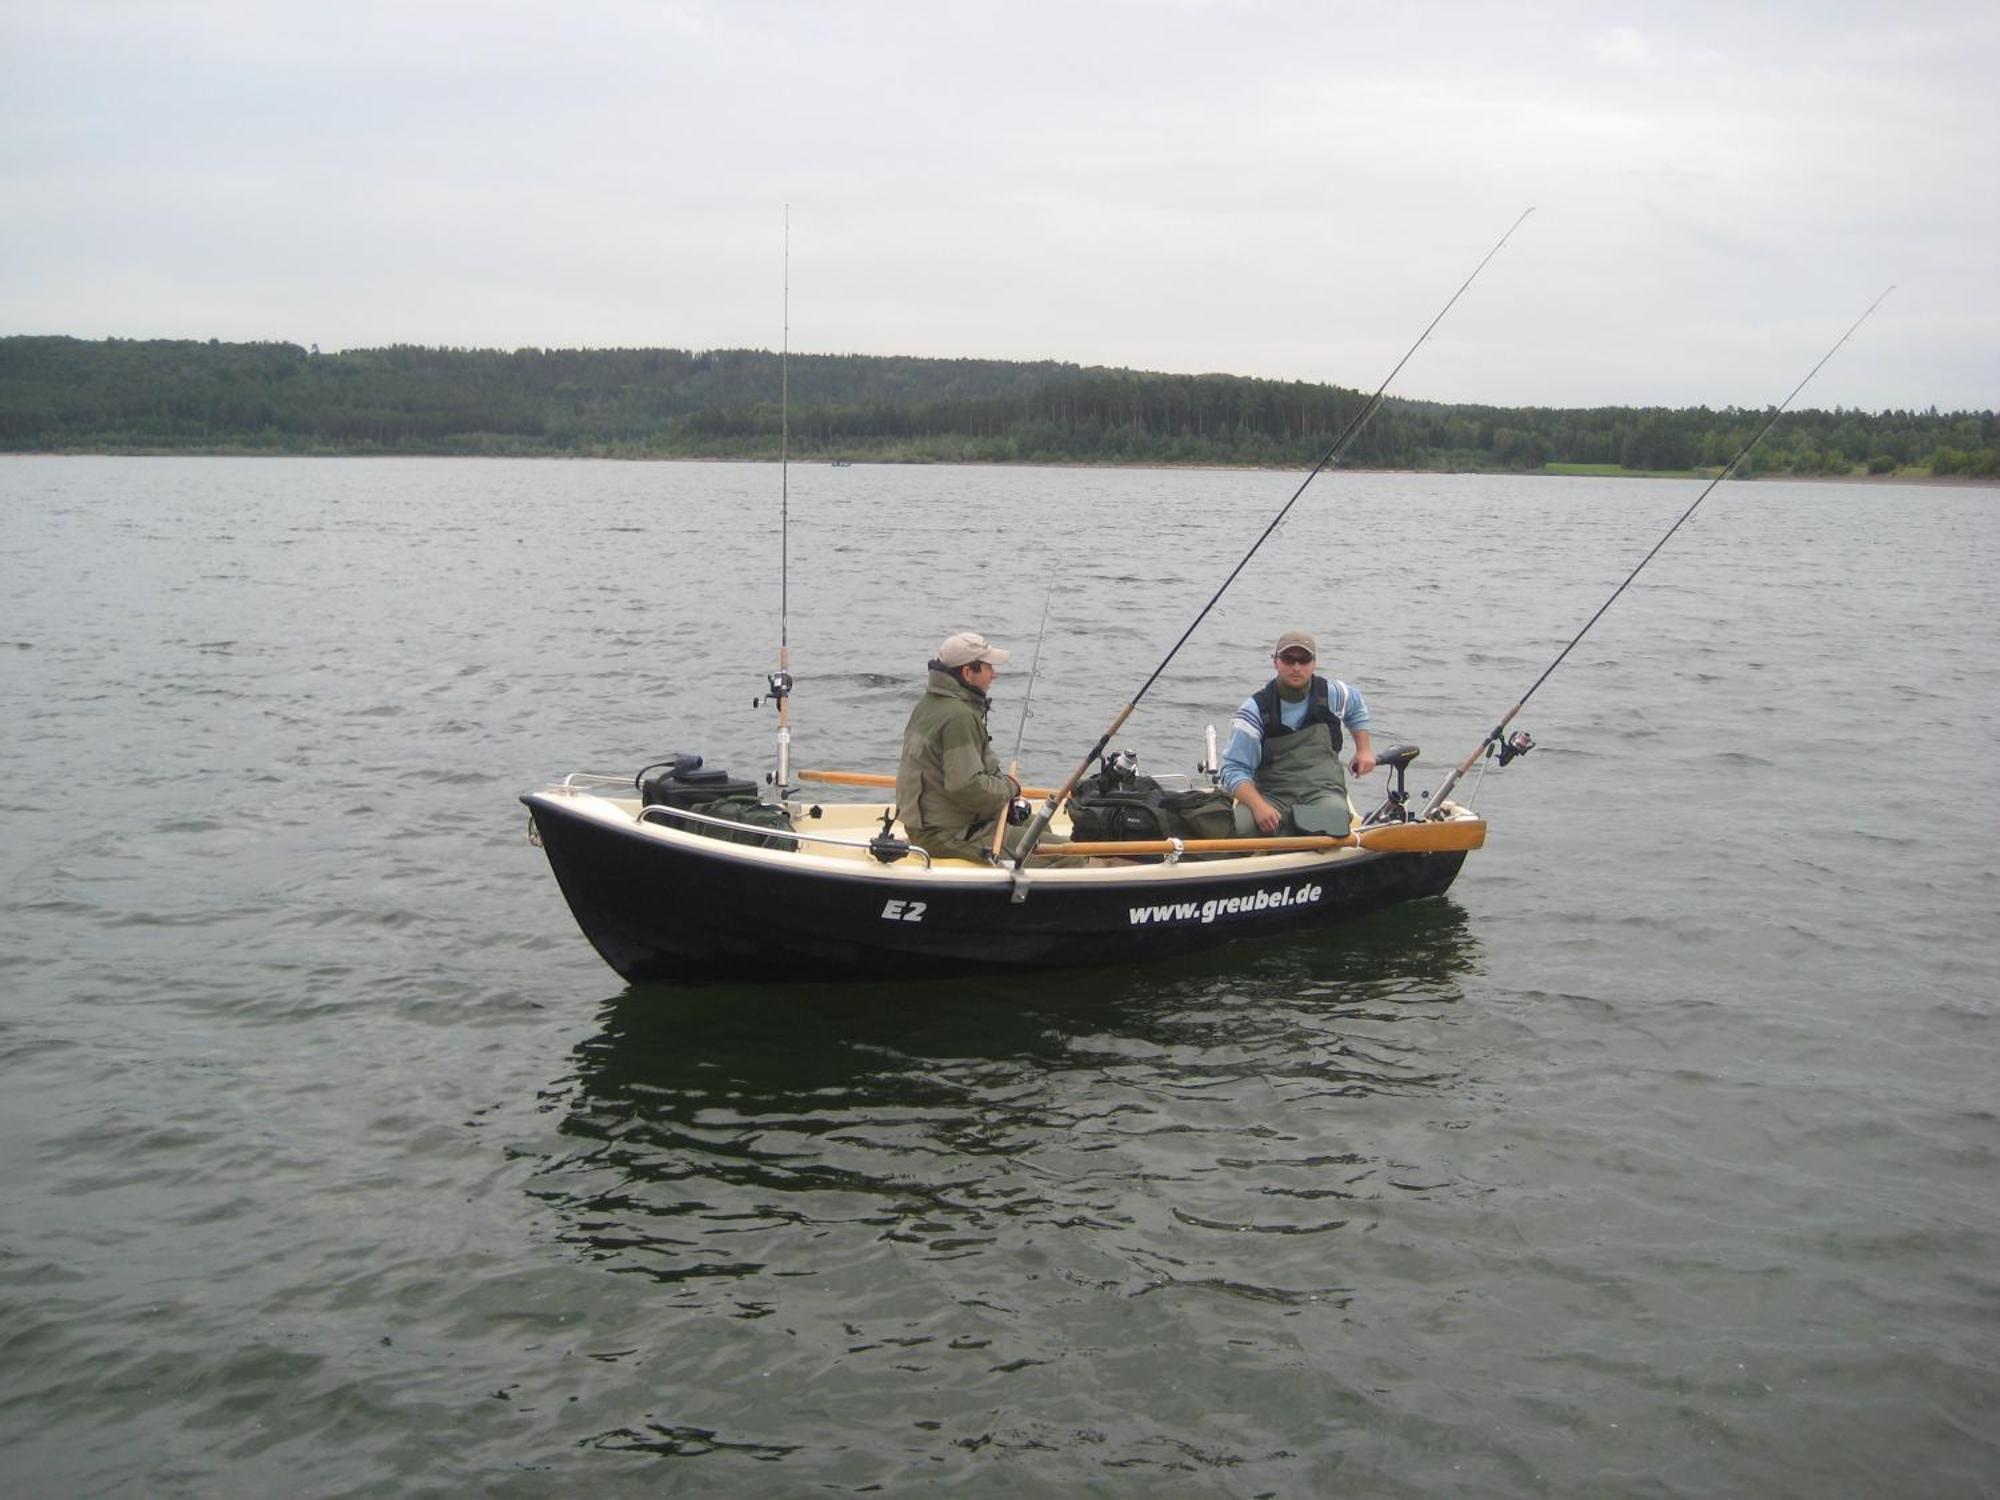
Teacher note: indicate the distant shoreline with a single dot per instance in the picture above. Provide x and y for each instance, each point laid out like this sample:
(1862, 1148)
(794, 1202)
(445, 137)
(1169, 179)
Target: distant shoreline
(1957, 481)
(157, 397)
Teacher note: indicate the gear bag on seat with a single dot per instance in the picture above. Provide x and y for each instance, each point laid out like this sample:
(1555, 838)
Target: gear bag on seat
(713, 793)
(1138, 807)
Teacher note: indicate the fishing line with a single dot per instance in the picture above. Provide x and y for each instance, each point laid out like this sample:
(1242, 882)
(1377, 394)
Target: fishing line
(1014, 766)
(1495, 735)
(1347, 435)
(1034, 670)
(785, 454)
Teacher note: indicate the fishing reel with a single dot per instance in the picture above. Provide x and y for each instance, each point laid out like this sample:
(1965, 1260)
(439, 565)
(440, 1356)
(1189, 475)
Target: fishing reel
(779, 685)
(1117, 768)
(1519, 743)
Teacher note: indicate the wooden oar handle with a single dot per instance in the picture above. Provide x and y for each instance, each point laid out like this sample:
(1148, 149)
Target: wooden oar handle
(1447, 836)
(875, 778)
(1296, 844)
(1421, 837)
(1000, 822)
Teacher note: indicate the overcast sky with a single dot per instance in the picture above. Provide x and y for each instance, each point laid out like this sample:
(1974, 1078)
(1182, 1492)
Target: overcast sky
(1283, 188)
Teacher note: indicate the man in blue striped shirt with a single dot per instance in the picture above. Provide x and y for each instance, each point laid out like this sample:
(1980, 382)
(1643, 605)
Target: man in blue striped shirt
(1283, 763)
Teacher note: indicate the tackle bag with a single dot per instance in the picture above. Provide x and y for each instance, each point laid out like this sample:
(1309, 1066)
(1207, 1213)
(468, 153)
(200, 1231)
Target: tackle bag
(1128, 807)
(713, 793)
(752, 812)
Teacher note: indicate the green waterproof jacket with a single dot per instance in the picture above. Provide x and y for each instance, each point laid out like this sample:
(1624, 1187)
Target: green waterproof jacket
(949, 781)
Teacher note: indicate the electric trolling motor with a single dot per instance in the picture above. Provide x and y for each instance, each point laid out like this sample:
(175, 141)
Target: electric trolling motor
(1395, 806)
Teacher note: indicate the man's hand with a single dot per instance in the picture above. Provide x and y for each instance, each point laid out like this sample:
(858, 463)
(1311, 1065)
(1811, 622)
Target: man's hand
(1265, 812)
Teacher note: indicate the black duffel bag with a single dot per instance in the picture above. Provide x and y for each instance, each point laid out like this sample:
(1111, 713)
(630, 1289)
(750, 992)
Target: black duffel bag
(752, 812)
(1121, 806)
(713, 793)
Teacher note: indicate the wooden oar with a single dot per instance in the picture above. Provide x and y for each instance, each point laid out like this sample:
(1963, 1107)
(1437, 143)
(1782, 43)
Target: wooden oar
(875, 778)
(1425, 837)
(1000, 820)
(1397, 838)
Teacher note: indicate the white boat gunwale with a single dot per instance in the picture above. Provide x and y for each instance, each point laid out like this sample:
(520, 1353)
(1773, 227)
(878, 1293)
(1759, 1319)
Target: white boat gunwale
(830, 854)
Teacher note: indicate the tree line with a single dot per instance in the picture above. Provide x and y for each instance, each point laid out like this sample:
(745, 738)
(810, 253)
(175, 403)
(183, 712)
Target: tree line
(127, 395)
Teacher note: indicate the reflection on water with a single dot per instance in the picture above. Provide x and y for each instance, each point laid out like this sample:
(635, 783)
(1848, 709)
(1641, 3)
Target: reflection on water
(950, 1200)
(744, 1133)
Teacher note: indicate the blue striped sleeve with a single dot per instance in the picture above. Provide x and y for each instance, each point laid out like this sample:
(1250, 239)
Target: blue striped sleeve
(1347, 702)
(1245, 751)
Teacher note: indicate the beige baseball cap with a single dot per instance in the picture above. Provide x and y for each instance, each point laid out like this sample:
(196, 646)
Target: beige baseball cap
(969, 646)
(1299, 639)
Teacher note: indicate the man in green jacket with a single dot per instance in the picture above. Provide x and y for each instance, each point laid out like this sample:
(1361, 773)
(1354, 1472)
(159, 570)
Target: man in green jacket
(950, 789)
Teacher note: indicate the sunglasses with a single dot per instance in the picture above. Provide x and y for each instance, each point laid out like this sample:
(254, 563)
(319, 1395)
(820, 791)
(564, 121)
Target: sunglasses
(1294, 658)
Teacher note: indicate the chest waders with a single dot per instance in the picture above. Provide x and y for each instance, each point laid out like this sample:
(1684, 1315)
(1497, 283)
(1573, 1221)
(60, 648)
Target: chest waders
(1301, 770)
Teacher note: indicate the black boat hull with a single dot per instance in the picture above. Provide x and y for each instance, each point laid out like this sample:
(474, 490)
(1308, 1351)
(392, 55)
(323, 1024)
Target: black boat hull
(685, 908)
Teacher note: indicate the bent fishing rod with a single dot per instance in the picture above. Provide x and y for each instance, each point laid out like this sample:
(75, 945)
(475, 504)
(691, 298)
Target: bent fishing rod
(1047, 811)
(1495, 737)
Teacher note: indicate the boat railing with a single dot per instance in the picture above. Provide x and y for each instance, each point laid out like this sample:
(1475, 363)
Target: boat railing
(581, 781)
(757, 832)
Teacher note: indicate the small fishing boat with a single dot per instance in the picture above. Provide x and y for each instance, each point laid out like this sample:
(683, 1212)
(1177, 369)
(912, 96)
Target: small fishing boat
(669, 892)
(690, 875)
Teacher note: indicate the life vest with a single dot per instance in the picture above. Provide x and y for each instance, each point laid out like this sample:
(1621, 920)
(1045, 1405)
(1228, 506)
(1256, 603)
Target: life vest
(1318, 711)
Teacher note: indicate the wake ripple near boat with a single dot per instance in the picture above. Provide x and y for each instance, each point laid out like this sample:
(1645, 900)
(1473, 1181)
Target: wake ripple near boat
(1136, 1158)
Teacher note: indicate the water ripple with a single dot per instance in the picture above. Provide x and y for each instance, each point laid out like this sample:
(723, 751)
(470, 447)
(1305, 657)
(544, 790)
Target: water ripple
(1656, 1160)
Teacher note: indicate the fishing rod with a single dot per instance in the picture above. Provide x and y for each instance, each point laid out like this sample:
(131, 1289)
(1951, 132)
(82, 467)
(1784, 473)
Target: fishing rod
(1014, 765)
(780, 681)
(1521, 743)
(1347, 434)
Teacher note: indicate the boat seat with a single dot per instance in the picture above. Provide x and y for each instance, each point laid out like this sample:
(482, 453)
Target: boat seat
(1397, 757)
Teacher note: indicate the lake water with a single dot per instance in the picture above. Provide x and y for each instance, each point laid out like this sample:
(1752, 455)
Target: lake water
(1660, 1158)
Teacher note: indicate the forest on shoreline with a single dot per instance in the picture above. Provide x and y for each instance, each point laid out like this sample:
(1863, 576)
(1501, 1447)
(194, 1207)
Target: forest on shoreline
(60, 394)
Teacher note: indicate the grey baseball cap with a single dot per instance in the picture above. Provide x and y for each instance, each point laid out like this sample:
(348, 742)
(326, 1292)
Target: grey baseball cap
(970, 646)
